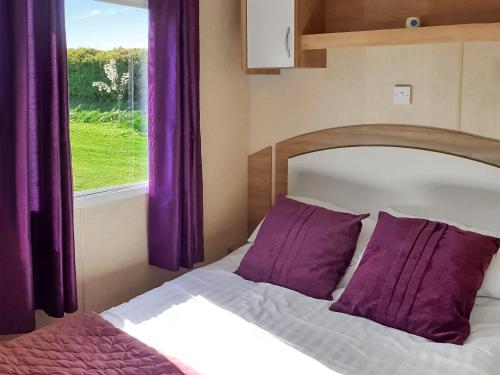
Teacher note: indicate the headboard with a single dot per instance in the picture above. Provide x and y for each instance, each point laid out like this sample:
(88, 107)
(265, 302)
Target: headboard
(260, 169)
(471, 150)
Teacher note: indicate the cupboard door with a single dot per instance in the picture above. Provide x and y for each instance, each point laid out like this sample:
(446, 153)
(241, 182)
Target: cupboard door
(270, 33)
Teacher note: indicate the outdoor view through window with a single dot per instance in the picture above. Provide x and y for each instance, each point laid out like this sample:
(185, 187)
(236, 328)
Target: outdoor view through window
(107, 55)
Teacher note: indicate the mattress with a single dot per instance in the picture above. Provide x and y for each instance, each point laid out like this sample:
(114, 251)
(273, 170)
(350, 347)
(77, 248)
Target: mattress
(217, 323)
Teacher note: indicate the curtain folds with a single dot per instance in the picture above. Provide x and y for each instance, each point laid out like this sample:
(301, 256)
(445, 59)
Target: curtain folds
(37, 263)
(175, 210)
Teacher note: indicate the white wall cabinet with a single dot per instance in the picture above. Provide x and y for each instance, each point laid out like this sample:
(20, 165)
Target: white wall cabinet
(270, 34)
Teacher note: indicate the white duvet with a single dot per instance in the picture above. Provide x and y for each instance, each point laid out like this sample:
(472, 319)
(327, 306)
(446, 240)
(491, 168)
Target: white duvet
(218, 323)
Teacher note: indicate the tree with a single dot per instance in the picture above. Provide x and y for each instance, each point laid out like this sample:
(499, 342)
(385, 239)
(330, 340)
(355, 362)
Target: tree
(117, 85)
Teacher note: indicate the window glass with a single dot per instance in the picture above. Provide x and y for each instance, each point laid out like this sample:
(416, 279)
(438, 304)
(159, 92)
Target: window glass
(107, 66)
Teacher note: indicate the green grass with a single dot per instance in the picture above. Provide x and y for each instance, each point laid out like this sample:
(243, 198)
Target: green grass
(107, 154)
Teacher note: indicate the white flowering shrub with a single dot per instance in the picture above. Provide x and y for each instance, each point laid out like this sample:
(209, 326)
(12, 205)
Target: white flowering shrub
(117, 85)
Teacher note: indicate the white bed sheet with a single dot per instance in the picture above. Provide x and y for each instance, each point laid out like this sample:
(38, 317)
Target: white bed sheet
(218, 323)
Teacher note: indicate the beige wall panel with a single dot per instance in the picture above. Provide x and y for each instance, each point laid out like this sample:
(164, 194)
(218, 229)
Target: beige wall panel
(357, 88)
(481, 89)
(115, 259)
(78, 223)
(224, 126)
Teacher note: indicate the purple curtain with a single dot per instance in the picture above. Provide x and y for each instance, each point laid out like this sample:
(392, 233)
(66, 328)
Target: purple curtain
(37, 265)
(175, 212)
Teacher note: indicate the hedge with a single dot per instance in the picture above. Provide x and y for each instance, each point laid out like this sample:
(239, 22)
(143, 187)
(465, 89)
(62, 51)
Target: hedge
(86, 65)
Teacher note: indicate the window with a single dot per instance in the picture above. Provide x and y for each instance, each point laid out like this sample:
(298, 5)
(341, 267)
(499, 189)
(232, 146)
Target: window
(107, 55)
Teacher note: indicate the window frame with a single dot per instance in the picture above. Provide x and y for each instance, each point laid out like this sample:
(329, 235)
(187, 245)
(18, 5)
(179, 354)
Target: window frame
(95, 197)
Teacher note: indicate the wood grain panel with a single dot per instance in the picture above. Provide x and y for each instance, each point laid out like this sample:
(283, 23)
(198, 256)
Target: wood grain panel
(451, 142)
(309, 19)
(486, 32)
(260, 167)
(357, 15)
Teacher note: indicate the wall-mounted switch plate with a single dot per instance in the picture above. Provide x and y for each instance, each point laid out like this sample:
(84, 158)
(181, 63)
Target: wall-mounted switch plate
(402, 94)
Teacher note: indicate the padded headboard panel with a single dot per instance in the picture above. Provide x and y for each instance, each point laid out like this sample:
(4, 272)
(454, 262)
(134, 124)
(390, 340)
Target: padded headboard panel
(414, 181)
(421, 170)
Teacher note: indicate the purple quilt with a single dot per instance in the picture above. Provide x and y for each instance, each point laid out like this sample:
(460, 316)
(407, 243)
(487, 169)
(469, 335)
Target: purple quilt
(84, 344)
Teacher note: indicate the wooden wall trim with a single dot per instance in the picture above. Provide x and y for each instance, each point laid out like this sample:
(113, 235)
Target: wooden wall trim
(309, 19)
(485, 150)
(358, 15)
(260, 171)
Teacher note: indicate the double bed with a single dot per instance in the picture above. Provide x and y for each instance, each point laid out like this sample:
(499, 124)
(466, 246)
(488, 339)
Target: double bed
(211, 321)
(219, 323)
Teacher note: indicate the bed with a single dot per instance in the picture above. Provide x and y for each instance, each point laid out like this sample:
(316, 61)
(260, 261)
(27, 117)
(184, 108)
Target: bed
(218, 323)
(256, 328)
(212, 321)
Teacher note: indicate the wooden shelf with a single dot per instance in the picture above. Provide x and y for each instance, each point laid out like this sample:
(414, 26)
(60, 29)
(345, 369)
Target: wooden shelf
(479, 32)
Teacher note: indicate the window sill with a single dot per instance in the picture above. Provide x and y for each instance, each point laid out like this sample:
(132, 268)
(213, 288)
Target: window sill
(98, 197)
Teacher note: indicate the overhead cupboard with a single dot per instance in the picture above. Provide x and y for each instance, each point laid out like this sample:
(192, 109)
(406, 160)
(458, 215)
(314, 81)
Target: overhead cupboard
(271, 31)
(270, 40)
(278, 34)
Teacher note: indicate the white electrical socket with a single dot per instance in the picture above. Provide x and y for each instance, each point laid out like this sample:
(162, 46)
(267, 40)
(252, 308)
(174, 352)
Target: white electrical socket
(402, 94)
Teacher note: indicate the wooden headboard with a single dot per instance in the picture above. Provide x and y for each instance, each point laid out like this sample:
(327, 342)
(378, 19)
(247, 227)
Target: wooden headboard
(260, 170)
(481, 149)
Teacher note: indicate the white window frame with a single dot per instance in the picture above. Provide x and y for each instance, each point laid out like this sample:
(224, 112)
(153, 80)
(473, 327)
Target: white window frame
(89, 198)
(94, 197)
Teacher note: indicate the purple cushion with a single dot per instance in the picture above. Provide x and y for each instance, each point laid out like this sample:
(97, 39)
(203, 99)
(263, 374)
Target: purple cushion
(419, 276)
(302, 247)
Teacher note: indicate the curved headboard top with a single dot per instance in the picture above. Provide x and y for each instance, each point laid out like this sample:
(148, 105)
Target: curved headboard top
(469, 146)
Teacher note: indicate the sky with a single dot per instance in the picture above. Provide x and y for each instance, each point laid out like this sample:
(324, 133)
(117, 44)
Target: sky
(105, 26)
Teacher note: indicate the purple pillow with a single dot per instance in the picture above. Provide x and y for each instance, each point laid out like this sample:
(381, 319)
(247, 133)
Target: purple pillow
(419, 276)
(302, 247)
